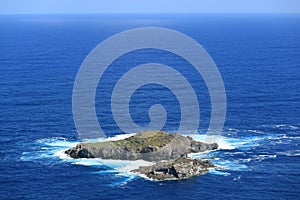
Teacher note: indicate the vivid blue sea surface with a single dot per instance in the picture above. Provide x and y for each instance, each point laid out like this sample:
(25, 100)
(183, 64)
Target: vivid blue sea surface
(258, 57)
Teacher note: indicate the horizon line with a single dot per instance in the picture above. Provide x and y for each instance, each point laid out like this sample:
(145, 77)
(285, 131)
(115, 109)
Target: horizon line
(155, 13)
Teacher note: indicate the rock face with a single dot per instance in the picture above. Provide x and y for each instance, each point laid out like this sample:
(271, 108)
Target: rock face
(169, 151)
(181, 168)
(149, 146)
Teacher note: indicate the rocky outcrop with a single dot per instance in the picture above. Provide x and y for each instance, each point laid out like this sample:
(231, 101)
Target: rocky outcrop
(169, 151)
(181, 168)
(149, 146)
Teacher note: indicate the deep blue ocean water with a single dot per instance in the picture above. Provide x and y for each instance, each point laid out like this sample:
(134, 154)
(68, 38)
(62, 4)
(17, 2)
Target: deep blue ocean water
(258, 57)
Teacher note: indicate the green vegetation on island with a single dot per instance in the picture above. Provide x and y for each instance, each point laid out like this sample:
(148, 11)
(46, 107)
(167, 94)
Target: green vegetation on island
(169, 151)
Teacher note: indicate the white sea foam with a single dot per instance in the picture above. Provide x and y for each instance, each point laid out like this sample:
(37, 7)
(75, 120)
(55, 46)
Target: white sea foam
(230, 165)
(237, 178)
(289, 137)
(255, 131)
(283, 126)
(263, 157)
(245, 160)
(131, 165)
(230, 143)
(124, 166)
(54, 144)
(217, 172)
(228, 146)
(291, 153)
(233, 129)
(223, 142)
(126, 178)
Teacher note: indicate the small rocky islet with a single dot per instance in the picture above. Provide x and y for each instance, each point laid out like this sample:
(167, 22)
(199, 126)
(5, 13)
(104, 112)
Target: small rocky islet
(168, 151)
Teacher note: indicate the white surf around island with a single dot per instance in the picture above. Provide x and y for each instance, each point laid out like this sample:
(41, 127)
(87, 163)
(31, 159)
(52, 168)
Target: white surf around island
(223, 157)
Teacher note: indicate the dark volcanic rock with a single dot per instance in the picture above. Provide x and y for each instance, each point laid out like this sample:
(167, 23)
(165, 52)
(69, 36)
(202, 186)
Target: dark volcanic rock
(181, 168)
(149, 146)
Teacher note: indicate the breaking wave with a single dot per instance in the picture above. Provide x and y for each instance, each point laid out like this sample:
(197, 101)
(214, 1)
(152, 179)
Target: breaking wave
(236, 152)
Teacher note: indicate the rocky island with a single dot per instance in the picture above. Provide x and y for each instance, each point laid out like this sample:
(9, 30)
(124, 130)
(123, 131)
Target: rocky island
(168, 151)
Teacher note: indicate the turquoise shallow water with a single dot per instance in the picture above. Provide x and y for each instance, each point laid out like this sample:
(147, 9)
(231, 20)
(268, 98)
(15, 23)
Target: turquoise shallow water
(257, 56)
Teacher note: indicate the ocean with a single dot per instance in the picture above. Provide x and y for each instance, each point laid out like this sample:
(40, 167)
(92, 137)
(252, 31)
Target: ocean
(258, 57)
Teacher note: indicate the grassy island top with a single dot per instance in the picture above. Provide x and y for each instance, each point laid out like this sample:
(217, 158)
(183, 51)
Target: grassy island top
(138, 142)
(146, 139)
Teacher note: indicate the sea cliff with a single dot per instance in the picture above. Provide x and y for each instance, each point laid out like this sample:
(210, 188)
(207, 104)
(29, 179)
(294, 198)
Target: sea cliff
(169, 151)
